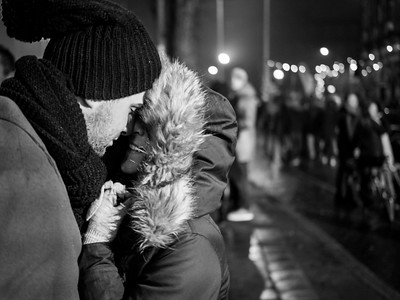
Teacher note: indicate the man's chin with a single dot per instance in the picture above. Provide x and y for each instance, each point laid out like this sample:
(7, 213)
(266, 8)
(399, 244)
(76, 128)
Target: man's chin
(100, 151)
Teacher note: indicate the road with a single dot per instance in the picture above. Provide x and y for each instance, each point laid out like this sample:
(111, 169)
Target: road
(297, 249)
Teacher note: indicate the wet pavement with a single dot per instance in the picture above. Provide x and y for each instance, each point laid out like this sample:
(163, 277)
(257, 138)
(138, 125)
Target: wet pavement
(296, 249)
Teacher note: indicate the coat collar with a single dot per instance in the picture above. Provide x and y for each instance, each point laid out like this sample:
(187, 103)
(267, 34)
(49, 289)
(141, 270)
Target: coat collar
(174, 111)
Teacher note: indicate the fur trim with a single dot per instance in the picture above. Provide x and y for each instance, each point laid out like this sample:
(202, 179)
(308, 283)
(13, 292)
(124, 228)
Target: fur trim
(174, 112)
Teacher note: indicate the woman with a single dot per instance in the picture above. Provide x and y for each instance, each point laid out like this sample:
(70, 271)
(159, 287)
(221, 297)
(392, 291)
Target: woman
(373, 149)
(245, 102)
(162, 250)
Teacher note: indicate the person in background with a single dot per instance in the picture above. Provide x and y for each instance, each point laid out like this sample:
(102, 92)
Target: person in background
(349, 115)
(245, 103)
(162, 249)
(328, 129)
(372, 150)
(7, 63)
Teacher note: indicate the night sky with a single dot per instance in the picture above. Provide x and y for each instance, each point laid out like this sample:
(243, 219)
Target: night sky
(298, 29)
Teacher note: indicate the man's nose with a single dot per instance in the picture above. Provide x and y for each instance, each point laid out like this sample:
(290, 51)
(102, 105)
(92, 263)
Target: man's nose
(129, 125)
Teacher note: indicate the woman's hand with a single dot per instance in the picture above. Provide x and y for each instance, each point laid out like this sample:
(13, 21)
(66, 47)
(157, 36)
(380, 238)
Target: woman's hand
(105, 214)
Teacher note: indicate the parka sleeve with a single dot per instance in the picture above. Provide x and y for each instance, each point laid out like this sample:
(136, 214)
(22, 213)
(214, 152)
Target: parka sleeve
(213, 161)
(98, 276)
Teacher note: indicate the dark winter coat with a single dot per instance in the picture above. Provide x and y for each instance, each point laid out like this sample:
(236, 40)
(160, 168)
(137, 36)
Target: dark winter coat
(347, 122)
(169, 247)
(39, 237)
(368, 138)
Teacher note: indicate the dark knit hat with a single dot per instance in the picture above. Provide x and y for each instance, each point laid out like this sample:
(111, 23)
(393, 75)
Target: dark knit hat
(102, 47)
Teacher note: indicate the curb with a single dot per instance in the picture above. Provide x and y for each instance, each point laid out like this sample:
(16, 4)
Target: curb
(341, 254)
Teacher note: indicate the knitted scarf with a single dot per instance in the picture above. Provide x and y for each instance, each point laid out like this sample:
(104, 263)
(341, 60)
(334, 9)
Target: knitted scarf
(46, 98)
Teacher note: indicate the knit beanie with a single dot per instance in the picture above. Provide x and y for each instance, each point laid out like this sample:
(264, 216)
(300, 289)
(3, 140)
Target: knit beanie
(102, 47)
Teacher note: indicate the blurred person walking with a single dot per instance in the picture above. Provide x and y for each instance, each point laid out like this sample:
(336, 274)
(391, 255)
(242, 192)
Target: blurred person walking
(349, 115)
(295, 128)
(313, 111)
(328, 125)
(372, 150)
(245, 103)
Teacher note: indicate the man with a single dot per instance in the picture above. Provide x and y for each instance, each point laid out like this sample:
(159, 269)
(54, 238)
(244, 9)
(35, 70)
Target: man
(7, 63)
(57, 119)
(57, 116)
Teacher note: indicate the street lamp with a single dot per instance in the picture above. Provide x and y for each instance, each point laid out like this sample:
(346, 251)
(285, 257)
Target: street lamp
(324, 51)
(213, 70)
(224, 58)
(278, 74)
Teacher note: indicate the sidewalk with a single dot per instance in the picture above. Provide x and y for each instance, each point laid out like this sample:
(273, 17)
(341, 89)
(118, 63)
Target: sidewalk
(281, 255)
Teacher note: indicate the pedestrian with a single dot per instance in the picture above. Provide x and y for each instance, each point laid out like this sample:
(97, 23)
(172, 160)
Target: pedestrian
(7, 63)
(245, 103)
(162, 250)
(349, 115)
(313, 111)
(328, 129)
(373, 150)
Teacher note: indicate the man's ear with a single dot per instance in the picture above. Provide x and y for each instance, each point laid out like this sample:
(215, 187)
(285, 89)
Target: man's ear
(88, 105)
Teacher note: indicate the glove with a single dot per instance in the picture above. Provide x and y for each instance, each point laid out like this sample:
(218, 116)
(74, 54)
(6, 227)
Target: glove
(105, 214)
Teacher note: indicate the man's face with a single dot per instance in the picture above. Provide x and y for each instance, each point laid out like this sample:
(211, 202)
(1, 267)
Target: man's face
(108, 120)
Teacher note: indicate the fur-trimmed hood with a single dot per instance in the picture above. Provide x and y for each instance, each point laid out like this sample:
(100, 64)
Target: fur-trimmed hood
(174, 113)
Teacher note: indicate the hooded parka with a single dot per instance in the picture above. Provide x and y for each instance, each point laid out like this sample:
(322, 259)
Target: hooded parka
(169, 247)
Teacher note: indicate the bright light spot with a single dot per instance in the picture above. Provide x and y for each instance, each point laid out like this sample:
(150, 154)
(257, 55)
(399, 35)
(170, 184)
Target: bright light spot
(278, 74)
(336, 67)
(364, 73)
(386, 110)
(286, 67)
(302, 69)
(294, 68)
(323, 75)
(324, 51)
(324, 68)
(318, 69)
(376, 67)
(353, 67)
(371, 56)
(389, 48)
(349, 59)
(335, 73)
(213, 70)
(270, 63)
(331, 89)
(224, 58)
(341, 66)
(278, 65)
